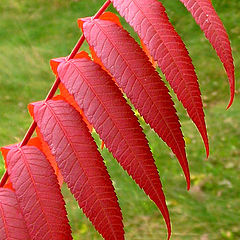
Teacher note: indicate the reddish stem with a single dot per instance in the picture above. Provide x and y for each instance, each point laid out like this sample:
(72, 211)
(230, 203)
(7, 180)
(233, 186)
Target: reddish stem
(28, 134)
(54, 88)
(4, 179)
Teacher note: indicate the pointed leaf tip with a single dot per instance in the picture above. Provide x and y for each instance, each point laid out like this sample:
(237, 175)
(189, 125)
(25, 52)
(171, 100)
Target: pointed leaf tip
(207, 18)
(205, 141)
(112, 118)
(232, 94)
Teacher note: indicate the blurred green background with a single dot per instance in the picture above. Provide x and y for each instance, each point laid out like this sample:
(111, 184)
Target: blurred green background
(33, 32)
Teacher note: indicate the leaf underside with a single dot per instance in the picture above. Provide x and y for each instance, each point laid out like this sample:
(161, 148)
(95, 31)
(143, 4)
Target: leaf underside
(207, 18)
(132, 71)
(81, 165)
(106, 109)
(149, 19)
(12, 224)
(38, 194)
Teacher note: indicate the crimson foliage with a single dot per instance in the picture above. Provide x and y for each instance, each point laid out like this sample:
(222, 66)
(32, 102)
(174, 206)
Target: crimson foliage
(31, 204)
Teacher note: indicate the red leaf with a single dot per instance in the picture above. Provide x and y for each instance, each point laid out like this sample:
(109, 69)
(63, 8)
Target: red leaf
(56, 61)
(150, 21)
(5, 151)
(36, 142)
(144, 48)
(12, 223)
(46, 150)
(133, 72)
(69, 98)
(81, 165)
(106, 109)
(38, 194)
(206, 16)
(8, 185)
(105, 16)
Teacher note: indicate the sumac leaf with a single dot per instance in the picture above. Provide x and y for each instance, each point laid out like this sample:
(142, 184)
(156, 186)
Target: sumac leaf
(12, 223)
(106, 109)
(38, 193)
(81, 165)
(46, 150)
(206, 16)
(135, 75)
(150, 21)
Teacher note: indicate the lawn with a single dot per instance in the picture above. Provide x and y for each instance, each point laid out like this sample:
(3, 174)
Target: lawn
(33, 32)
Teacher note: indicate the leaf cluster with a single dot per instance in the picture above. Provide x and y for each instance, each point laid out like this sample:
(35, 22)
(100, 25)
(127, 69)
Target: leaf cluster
(92, 90)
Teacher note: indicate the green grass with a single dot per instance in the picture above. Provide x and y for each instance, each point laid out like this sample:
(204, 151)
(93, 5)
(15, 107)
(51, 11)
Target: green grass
(32, 32)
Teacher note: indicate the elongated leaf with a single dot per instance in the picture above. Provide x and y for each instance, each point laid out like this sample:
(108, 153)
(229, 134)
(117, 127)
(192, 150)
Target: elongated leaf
(206, 16)
(145, 49)
(46, 150)
(106, 109)
(81, 165)
(12, 223)
(69, 98)
(38, 194)
(34, 141)
(150, 21)
(133, 72)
